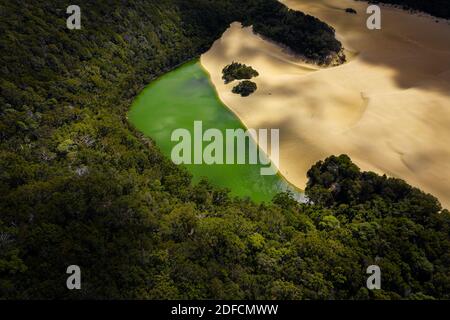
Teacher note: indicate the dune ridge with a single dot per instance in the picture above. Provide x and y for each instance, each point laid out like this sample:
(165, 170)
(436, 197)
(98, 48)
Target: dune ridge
(388, 107)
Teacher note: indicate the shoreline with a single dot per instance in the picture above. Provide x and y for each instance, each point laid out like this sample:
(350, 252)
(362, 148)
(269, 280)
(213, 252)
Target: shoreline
(279, 173)
(204, 105)
(363, 122)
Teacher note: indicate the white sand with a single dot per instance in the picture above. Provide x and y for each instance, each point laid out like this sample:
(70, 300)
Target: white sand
(388, 108)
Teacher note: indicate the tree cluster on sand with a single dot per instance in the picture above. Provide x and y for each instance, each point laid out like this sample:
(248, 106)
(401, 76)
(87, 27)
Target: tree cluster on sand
(245, 88)
(238, 71)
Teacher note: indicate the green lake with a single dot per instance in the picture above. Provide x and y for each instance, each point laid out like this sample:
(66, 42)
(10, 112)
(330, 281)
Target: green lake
(183, 96)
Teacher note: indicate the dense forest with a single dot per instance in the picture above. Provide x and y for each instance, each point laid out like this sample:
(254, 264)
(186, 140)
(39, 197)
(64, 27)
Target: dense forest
(78, 185)
(438, 8)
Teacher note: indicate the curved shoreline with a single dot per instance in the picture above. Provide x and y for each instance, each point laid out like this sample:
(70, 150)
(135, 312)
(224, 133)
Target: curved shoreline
(279, 173)
(156, 112)
(401, 131)
(289, 59)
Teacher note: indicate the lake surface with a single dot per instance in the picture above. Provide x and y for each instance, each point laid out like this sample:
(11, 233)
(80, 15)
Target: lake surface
(183, 96)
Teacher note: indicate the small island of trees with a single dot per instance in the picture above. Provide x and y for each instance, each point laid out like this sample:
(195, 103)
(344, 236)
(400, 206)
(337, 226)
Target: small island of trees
(238, 71)
(245, 88)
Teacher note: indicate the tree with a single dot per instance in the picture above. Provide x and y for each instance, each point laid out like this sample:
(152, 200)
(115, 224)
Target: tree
(245, 88)
(238, 71)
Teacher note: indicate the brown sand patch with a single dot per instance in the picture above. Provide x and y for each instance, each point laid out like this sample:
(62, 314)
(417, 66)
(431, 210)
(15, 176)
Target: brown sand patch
(388, 108)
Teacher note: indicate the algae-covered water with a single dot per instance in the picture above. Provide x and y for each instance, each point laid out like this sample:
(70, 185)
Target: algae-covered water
(183, 96)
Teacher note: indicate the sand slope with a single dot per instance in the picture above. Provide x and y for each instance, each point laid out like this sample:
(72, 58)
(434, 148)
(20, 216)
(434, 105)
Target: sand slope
(388, 108)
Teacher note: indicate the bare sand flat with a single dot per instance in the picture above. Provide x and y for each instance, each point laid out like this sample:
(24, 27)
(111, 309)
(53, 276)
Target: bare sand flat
(388, 108)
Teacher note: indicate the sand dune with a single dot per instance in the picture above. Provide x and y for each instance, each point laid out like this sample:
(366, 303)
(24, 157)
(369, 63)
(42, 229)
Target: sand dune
(388, 108)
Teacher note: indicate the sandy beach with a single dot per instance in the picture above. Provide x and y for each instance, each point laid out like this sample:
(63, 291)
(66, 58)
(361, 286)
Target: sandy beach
(388, 107)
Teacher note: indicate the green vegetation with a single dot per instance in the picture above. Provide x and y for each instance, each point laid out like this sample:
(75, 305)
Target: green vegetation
(238, 71)
(158, 111)
(78, 185)
(245, 88)
(304, 34)
(438, 8)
